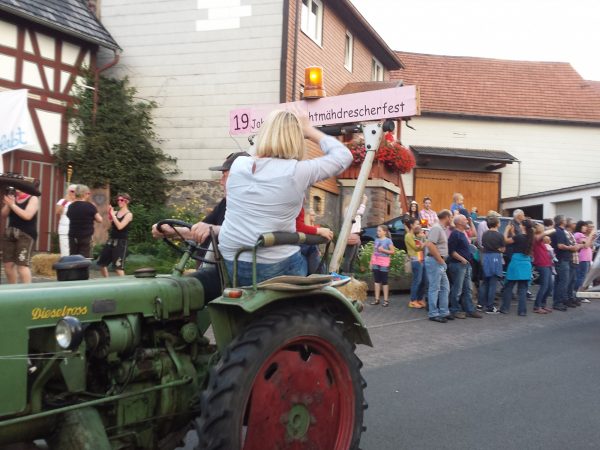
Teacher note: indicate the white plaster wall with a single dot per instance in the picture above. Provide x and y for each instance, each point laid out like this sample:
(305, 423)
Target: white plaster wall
(8, 34)
(552, 156)
(198, 60)
(585, 200)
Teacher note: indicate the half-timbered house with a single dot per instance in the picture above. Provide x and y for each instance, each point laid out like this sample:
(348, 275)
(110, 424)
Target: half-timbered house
(43, 45)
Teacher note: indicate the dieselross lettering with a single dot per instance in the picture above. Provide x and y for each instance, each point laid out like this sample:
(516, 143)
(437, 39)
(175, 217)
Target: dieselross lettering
(57, 313)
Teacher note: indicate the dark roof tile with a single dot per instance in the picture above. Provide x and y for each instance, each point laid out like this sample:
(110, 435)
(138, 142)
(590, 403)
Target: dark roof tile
(500, 88)
(69, 16)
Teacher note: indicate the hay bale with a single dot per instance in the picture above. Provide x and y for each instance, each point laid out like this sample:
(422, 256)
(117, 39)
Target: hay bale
(354, 290)
(41, 264)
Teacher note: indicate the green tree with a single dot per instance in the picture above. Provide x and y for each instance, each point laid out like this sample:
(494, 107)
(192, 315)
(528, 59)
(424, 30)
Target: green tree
(117, 147)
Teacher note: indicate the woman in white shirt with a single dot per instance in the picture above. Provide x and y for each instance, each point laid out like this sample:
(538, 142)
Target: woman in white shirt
(265, 193)
(62, 207)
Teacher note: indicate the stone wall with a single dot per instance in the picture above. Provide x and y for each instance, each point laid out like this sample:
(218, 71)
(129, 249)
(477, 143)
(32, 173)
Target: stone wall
(202, 194)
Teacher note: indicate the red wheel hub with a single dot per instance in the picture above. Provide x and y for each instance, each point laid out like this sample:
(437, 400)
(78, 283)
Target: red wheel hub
(302, 398)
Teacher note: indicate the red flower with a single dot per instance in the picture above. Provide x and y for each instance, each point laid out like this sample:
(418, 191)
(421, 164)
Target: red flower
(391, 153)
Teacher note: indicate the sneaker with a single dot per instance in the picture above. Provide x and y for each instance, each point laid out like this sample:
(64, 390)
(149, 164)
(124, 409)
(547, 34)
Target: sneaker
(438, 319)
(414, 304)
(459, 315)
(492, 310)
(529, 295)
(479, 308)
(585, 300)
(475, 315)
(338, 276)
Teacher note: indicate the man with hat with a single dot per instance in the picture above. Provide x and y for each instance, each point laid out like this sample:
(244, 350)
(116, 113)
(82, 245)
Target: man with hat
(200, 231)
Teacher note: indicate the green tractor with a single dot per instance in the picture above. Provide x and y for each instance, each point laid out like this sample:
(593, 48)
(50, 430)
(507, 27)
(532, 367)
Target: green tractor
(138, 361)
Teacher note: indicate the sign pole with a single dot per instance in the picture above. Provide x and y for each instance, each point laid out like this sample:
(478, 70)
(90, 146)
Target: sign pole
(372, 133)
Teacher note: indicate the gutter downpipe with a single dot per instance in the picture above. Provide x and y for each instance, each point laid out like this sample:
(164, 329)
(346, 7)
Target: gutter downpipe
(294, 69)
(97, 82)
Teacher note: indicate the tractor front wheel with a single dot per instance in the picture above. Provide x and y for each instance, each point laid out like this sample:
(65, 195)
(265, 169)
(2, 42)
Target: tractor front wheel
(291, 380)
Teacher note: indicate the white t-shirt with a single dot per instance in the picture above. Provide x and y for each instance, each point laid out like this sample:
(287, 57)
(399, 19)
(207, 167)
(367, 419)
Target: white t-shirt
(270, 198)
(63, 222)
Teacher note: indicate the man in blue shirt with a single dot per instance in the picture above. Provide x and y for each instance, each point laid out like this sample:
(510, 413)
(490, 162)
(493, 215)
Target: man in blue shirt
(460, 271)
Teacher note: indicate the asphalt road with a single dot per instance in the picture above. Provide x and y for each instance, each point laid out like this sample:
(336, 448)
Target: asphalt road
(501, 382)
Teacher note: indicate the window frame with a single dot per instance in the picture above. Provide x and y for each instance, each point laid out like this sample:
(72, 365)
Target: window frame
(348, 50)
(376, 68)
(305, 20)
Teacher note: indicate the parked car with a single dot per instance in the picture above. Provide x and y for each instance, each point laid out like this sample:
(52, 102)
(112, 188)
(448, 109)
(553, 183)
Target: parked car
(369, 234)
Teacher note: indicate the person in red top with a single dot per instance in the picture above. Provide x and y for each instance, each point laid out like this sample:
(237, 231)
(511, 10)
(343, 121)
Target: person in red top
(543, 264)
(311, 252)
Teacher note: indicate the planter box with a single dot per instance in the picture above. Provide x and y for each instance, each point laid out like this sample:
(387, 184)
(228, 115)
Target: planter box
(401, 283)
(379, 170)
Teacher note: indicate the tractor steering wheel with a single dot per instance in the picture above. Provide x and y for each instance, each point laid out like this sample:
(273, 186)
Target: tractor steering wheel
(190, 246)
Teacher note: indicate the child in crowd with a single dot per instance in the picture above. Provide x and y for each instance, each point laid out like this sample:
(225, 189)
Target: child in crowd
(380, 263)
(458, 202)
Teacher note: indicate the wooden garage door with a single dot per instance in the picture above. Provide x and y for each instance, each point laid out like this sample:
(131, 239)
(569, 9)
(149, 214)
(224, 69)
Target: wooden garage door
(481, 189)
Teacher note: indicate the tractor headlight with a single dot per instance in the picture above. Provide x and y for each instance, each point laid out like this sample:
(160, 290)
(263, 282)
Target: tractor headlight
(68, 333)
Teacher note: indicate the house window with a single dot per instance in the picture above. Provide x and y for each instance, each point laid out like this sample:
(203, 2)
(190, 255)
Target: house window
(376, 70)
(312, 19)
(348, 51)
(317, 204)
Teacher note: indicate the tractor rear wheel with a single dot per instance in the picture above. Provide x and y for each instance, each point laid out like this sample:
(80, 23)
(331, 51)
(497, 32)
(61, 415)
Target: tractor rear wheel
(291, 380)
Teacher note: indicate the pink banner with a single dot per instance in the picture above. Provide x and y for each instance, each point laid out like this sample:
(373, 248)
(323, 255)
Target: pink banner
(351, 108)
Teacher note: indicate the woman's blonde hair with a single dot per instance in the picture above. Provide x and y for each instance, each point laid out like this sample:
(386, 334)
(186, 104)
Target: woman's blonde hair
(280, 136)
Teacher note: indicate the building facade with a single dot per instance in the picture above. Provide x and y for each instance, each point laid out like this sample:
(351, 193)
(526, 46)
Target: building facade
(503, 133)
(200, 60)
(42, 48)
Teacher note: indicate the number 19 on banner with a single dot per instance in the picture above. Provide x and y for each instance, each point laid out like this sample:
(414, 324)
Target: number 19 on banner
(242, 120)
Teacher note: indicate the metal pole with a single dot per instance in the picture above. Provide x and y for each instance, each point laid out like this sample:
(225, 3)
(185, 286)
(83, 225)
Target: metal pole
(372, 132)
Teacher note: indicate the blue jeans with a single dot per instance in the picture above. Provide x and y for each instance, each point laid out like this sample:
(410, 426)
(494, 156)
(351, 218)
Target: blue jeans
(545, 286)
(572, 281)
(521, 294)
(561, 282)
(582, 270)
(416, 286)
(293, 265)
(313, 257)
(460, 289)
(439, 287)
(487, 291)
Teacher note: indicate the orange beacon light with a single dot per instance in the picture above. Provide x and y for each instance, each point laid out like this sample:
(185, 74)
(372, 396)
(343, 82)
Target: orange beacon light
(313, 83)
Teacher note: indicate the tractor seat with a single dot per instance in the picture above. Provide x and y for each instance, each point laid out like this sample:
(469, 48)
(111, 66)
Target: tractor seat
(297, 283)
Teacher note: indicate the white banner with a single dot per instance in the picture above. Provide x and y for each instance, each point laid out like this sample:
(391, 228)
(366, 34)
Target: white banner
(16, 129)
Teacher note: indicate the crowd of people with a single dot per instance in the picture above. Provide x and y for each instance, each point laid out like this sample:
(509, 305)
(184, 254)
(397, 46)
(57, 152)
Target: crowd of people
(76, 215)
(457, 255)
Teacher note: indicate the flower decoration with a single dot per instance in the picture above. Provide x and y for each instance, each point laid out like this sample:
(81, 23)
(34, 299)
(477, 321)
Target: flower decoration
(391, 153)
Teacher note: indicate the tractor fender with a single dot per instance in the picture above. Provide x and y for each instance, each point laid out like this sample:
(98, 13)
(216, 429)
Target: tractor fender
(229, 316)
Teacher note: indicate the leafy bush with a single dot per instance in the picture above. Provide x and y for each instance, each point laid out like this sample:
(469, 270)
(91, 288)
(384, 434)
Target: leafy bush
(115, 142)
(362, 262)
